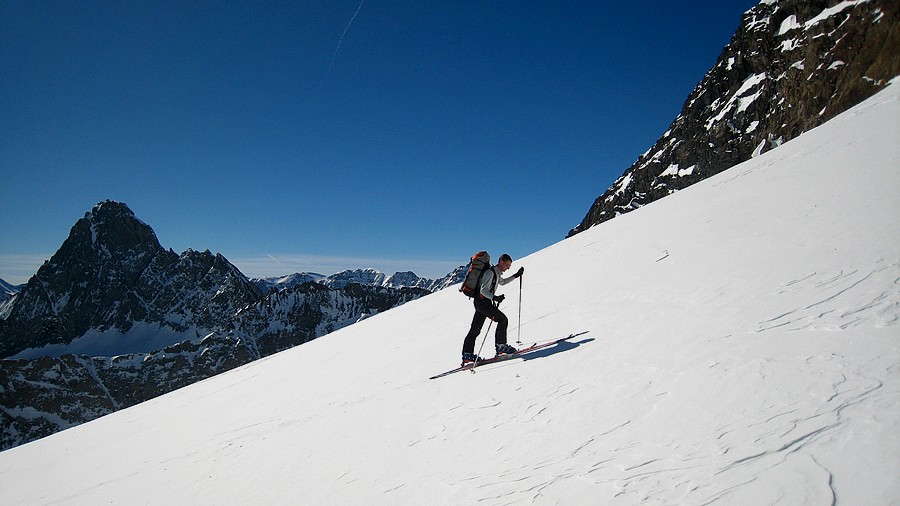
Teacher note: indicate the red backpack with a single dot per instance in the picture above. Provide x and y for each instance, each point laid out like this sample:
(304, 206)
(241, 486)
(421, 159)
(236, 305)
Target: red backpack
(480, 262)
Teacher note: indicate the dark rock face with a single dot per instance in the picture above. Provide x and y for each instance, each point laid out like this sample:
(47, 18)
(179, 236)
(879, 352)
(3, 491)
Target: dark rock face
(791, 66)
(96, 266)
(293, 316)
(111, 273)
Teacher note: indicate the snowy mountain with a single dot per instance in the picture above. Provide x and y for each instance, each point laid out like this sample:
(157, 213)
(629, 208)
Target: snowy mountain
(365, 277)
(293, 316)
(288, 281)
(372, 277)
(8, 294)
(791, 65)
(7, 290)
(741, 348)
(411, 280)
(454, 278)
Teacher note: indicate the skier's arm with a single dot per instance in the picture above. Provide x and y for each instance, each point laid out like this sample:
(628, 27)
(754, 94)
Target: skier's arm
(487, 279)
(515, 275)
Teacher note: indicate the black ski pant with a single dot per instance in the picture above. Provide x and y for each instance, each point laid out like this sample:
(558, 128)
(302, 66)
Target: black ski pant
(484, 309)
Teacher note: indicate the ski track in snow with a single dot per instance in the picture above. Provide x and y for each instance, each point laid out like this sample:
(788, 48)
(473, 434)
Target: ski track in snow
(851, 299)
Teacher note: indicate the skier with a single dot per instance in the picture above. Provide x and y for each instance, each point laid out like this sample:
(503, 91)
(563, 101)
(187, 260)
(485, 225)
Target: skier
(486, 302)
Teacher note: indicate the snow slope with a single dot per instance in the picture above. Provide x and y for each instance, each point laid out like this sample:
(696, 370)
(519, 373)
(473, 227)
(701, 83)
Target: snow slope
(741, 347)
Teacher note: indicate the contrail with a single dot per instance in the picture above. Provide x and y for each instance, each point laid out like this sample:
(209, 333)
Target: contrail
(341, 40)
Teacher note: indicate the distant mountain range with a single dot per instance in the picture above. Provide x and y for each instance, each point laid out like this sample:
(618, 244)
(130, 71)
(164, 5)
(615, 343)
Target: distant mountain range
(365, 277)
(112, 282)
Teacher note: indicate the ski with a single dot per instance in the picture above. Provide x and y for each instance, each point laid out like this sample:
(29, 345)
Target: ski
(500, 358)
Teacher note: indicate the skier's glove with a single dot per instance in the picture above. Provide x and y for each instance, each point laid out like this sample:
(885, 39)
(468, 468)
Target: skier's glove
(499, 298)
(519, 272)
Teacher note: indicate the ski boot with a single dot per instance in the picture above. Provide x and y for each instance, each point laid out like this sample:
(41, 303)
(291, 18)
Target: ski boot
(504, 349)
(469, 358)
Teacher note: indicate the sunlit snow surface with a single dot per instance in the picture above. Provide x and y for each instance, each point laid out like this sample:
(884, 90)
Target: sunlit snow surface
(743, 347)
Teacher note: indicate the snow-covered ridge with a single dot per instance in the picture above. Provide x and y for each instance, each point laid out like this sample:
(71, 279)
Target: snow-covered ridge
(288, 281)
(7, 290)
(8, 294)
(790, 66)
(741, 349)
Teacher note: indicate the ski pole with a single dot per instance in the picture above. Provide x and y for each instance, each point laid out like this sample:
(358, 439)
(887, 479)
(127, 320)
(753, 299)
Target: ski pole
(519, 329)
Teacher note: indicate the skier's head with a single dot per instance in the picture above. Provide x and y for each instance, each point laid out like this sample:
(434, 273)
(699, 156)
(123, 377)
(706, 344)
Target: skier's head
(504, 263)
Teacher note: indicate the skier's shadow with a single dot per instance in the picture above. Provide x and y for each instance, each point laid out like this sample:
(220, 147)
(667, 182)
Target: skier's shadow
(560, 347)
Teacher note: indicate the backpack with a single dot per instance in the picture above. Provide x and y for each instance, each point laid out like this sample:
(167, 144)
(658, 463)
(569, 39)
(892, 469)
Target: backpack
(480, 262)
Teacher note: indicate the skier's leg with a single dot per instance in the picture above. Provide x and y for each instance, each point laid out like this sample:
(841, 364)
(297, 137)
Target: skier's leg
(477, 323)
(502, 325)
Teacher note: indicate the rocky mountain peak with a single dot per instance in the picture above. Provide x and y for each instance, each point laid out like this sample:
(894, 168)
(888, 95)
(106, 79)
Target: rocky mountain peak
(790, 66)
(97, 265)
(111, 273)
(114, 228)
(108, 231)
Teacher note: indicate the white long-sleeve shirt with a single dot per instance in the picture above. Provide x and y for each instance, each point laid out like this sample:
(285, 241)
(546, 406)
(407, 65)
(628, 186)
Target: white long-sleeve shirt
(487, 282)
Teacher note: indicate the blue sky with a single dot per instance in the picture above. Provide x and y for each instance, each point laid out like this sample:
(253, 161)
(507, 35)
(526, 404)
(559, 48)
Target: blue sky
(288, 138)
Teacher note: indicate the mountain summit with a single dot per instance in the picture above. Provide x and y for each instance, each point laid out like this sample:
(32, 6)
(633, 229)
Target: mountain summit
(791, 66)
(109, 275)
